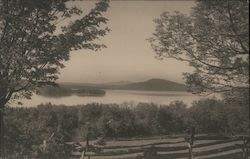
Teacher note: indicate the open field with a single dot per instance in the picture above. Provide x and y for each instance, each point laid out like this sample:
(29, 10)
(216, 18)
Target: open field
(205, 147)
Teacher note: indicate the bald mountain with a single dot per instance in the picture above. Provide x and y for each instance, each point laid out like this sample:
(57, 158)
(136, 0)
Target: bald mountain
(153, 85)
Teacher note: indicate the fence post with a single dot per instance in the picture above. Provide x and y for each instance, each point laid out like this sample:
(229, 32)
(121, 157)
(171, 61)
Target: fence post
(245, 147)
(190, 140)
(150, 153)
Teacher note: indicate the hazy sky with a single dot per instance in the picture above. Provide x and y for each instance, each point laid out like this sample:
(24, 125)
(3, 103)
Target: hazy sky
(129, 56)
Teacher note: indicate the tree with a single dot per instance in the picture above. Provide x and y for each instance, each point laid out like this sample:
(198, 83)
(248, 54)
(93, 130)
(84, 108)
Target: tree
(33, 45)
(238, 103)
(210, 115)
(214, 39)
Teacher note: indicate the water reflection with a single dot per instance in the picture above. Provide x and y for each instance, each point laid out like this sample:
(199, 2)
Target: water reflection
(116, 96)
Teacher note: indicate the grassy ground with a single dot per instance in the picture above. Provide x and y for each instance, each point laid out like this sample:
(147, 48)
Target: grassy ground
(205, 147)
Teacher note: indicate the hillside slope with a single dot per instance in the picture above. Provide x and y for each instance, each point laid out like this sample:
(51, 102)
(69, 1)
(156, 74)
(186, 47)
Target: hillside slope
(154, 85)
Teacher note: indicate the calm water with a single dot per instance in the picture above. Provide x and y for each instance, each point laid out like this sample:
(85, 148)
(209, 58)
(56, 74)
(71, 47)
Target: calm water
(116, 96)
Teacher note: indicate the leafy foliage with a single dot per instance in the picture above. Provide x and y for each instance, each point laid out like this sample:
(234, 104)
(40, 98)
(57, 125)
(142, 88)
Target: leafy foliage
(214, 40)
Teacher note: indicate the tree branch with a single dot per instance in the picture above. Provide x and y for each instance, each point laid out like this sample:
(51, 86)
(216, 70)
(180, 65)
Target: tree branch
(234, 30)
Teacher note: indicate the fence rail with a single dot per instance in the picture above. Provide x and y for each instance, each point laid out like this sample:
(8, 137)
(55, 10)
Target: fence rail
(205, 147)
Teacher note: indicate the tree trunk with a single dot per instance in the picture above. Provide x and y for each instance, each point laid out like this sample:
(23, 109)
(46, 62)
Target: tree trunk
(87, 145)
(86, 148)
(190, 151)
(190, 140)
(2, 131)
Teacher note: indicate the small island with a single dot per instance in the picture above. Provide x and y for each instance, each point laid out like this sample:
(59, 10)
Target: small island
(89, 92)
(61, 91)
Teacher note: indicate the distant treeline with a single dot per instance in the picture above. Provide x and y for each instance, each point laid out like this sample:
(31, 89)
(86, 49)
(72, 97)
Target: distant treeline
(60, 91)
(27, 127)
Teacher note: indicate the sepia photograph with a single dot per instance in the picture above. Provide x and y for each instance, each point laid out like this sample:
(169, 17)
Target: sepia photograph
(124, 79)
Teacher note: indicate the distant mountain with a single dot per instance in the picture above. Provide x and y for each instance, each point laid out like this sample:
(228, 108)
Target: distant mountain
(155, 85)
(120, 83)
(149, 85)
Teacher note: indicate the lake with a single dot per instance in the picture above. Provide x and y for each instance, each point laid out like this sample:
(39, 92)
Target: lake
(116, 96)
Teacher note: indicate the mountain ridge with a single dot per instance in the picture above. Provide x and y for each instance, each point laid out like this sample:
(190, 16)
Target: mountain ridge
(154, 84)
